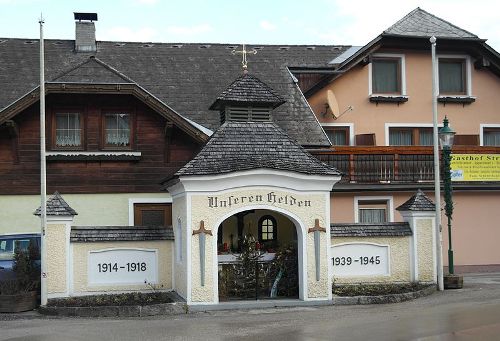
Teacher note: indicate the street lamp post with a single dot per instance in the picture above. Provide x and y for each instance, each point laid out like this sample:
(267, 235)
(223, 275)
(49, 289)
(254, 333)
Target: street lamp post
(446, 135)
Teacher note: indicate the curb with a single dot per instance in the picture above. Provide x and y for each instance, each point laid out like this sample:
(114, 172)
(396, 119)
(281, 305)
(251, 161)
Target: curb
(117, 311)
(180, 308)
(383, 299)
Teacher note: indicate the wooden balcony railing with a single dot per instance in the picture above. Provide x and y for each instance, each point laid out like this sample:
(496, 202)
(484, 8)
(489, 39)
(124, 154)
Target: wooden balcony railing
(380, 164)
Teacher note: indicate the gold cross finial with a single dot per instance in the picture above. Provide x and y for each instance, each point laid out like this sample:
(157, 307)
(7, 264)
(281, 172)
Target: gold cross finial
(244, 53)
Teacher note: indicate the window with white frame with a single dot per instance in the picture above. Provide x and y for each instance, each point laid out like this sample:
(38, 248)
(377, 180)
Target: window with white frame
(387, 74)
(410, 136)
(373, 210)
(490, 136)
(454, 75)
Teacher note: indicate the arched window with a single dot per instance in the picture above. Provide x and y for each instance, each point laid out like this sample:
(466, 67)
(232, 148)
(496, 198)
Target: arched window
(267, 229)
(178, 240)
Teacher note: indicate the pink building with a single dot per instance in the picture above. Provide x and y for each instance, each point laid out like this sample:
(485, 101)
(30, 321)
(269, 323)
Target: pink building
(375, 104)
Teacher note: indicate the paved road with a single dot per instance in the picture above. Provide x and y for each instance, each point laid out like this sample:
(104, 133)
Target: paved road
(472, 313)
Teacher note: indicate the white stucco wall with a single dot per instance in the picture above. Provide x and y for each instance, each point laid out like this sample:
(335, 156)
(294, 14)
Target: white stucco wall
(425, 249)
(303, 215)
(179, 211)
(399, 271)
(56, 241)
(80, 253)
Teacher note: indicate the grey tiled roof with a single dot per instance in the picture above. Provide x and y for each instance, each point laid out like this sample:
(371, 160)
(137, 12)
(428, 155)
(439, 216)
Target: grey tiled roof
(238, 146)
(370, 230)
(92, 71)
(186, 77)
(418, 202)
(250, 90)
(57, 206)
(119, 233)
(419, 23)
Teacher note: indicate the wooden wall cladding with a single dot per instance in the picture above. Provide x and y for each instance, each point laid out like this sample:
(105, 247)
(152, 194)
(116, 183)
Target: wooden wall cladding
(162, 153)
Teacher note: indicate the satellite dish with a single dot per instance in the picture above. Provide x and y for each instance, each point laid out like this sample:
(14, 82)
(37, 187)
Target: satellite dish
(332, 103)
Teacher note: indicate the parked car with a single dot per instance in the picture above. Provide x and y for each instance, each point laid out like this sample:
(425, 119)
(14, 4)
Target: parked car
(8, 245)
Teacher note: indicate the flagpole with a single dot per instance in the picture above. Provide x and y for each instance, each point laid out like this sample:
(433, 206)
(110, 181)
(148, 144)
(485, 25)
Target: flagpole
(437, 185)
(43, 175)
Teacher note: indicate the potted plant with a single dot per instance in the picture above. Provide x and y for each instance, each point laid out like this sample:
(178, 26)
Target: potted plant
(20, 294)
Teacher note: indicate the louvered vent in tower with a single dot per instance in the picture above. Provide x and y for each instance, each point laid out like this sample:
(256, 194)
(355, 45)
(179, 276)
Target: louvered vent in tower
(240, 114)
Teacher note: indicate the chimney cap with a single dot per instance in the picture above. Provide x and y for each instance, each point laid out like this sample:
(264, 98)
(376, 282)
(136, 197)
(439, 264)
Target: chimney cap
(85, 16)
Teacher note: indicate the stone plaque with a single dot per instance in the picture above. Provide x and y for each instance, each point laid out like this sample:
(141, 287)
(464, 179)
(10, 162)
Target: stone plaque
(360, 259)
(122, 267)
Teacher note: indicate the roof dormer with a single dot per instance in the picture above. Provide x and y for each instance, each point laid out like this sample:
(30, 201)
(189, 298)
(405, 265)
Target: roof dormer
(247, 99)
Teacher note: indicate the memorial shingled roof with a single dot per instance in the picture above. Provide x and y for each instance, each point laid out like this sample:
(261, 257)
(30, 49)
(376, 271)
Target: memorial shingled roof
(240, 146)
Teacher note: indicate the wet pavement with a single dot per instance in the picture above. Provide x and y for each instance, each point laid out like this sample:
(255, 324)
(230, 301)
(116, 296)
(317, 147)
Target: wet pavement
(471, 313)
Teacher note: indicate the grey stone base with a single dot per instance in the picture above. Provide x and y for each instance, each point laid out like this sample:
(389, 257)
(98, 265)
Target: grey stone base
(257, 304)
(117, 311)
(453, 281)
(178, 308)
(383, 299)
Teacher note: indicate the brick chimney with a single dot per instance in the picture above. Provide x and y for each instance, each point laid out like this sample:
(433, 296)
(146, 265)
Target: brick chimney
(85, 32)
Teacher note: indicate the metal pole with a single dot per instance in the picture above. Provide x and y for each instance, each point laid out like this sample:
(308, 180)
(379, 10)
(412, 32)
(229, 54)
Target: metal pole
(448, 208)
(43, 175)
(437, 188)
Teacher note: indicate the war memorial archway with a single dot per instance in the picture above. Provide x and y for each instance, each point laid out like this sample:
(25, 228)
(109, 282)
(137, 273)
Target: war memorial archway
(259, 255)
(302, 199)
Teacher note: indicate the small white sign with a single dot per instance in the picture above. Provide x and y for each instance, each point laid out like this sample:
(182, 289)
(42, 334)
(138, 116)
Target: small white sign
(122, 266)
(360, 259)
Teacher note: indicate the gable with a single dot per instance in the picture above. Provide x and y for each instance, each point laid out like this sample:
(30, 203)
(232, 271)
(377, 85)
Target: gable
(419, 23)
(93, 76)
(92, 71)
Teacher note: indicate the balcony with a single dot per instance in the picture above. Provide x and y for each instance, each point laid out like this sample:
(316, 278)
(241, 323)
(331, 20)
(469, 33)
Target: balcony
(389, 165)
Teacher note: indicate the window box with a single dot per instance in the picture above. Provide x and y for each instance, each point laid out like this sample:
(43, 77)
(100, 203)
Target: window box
(388, 99)
(456, 99)
(92, 156)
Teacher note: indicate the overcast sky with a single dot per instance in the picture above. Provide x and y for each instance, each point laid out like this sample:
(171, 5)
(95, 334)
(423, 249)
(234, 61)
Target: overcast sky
(312, 22)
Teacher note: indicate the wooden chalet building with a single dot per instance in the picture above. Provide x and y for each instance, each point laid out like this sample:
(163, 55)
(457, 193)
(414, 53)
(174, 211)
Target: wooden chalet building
(123, 117)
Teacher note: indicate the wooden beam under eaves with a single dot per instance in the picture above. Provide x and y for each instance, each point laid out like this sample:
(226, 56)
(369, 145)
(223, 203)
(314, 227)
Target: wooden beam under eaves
(481, 63)
(12, 128)
(169, 131)
(13, 132)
